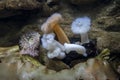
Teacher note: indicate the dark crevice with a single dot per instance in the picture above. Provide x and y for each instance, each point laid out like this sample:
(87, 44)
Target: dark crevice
(52, 4)
(113, 28)
(41, 1)
(115, 11)
(73, 56)
(11, 26)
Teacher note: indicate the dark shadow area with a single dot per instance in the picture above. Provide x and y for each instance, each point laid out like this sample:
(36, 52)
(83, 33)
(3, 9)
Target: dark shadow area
(10, 28)
(113, 28)
(74, 58)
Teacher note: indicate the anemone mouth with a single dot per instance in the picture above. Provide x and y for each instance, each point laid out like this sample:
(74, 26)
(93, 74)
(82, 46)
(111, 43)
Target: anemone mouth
(81, 25)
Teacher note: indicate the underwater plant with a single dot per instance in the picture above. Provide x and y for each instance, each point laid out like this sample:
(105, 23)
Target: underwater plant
(81, 26)
(29, 43)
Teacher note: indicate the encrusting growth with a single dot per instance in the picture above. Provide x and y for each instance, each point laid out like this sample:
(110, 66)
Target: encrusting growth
(29, 43)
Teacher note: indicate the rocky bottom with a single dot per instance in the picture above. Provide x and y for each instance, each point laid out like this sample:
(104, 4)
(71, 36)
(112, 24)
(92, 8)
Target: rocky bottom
(14, 66)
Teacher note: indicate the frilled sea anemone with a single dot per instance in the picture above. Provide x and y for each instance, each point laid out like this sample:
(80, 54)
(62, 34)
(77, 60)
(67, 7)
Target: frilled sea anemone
(52, 25)
(81, 26)
(29, 43)
(74, 47)
(54, 19)
(55, 49)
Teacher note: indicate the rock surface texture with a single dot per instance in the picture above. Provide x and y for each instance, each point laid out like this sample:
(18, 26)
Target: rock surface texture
(20, 16)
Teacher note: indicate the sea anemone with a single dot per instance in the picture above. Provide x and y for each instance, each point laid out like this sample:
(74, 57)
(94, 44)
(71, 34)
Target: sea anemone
(52, 20)
(55, 49)
(29, 43)
(52, 25)
(74, 47)
(81, 26)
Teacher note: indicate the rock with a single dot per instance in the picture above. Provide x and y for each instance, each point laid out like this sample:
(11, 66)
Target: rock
(2, 4)
(112, 9)
(56, 65)
(28, 68)
(13, 7)
(117, 2)
(94, 67)
(50, 6)
(108, 23)
(105, 39)
(105, 28)
(82, 2)
(109, 40)
(9, 13)
(22, 4)
(12, 30)
(118, 69)
(8, 72)
(88, 2)
(16, 7)
(90, 70)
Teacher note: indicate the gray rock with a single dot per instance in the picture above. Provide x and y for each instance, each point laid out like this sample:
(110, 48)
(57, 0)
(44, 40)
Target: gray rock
(56, 65)
(22, 4)
(16, 7)
(82, 2)
(109, 40)
(11, 7)
(92, 69)
(105, 28)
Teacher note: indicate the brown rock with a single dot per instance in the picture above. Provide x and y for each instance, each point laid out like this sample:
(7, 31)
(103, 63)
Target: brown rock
(81, 2)
(8, 72)
(105, 39)
(11, 7)
(50, 6)
(56, 65)
(109, 40)
(92, 69)
(22, 4)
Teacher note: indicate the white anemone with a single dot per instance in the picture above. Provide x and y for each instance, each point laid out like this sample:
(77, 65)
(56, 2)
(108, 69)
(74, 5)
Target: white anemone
(81, 26)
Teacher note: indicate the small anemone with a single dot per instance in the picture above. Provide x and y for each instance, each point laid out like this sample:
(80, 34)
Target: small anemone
(81, 26)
